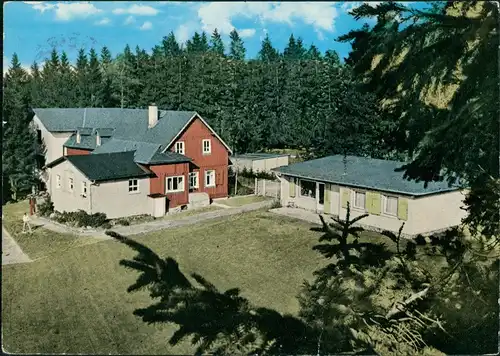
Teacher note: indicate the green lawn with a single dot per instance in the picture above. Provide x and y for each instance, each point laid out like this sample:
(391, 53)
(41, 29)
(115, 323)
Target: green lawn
(41, 243)
(240, 201)
(76, 300)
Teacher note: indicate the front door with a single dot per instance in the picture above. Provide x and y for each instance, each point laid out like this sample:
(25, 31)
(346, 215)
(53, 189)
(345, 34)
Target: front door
(321, 196)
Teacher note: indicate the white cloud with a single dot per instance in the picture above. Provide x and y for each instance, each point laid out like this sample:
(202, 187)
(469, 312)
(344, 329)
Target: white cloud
(40, 5)
(104, 21)
(66, 11)
(320, 15)
(139, 10)
(129, 20)
(184, 31)
(146, 26)
(247, 32)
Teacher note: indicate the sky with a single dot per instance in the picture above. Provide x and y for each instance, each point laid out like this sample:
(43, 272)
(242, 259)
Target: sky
(33, 28)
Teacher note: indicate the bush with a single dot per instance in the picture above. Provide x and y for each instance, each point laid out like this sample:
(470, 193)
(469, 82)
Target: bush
(80, 218)
(123, 222)
(46, 207)
(276, 204)
(249, 173)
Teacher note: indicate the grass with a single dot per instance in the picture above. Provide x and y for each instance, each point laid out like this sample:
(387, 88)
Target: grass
(240, 201)
(76, 301)
(191, 212)
(41, 243)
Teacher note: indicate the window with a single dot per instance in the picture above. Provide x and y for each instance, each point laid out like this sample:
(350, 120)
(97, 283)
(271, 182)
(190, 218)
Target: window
(210, 178)
(179, 147)
(193, 180)
(307, 189)
(58, 181)
(133, 186)
(71, 185)
(84, 189)
(390, 205)
(175, 184)
(206, 147)
(359, 200)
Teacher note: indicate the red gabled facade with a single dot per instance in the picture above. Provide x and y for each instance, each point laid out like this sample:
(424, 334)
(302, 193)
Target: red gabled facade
(216, 160)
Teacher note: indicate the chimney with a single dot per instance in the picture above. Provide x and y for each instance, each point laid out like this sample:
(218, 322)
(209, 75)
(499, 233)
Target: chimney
(78, 139)
(98, 139)
(152, 115)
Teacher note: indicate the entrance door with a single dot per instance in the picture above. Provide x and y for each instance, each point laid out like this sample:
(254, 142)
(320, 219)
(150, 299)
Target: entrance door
(321, 196)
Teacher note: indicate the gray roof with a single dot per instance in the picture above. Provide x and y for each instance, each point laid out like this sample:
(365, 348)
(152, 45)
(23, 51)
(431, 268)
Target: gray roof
(362, 172)
(128, 124)
(146, 153)
(127, 128)
(259, 156)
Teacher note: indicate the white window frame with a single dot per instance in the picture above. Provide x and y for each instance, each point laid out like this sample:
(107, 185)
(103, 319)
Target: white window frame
(385, 199)
(197, 175)
(179, 147)
(180, 186)
(71, 184)
(133, 186)
(314, 191)
(84, 189)
(207, 174)
(58, 181)
(354, 200)
(206, 152)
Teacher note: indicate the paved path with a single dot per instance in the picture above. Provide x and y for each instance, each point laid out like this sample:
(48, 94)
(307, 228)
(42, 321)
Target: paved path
(299, 214)
(155, 225)
(11, 252)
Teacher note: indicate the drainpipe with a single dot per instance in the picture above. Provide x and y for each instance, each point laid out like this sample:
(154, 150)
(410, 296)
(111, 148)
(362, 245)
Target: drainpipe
(90, 196)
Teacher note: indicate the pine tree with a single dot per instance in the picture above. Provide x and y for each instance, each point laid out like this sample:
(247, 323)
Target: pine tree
(82, 80)
(236, 48)
(170, 46)
(313, 53)
(197, 44)
(35, 86)
(108, 99)
(18, 144)
(95, 80)
(66, 80)
(267, 52)
(216, 44)
(51, 80)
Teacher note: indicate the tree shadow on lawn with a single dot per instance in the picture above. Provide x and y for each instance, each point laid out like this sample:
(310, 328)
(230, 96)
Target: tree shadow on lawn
(224, 322)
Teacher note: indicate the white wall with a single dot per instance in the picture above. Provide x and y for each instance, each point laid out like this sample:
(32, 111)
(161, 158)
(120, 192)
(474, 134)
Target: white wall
(425, 215)
(114, 199)
(53, 141)
(63, 198)
(437, 211)
(111, 198)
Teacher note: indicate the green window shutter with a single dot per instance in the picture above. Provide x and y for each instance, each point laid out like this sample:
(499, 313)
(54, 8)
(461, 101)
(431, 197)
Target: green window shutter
(345, 197)
(327, 199)
(291, 187)
(373, 203)
(403, 209)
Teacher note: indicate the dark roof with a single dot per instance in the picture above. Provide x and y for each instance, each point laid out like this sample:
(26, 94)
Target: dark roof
(362, 172)
(104, 132)
(87, 142)
(167, 157)
(259, 156)
(108, 166)
(85, 131)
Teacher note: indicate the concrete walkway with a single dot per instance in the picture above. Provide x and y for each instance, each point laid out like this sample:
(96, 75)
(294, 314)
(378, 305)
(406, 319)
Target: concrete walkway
(155, 225)
(11, 252)
(299, 214)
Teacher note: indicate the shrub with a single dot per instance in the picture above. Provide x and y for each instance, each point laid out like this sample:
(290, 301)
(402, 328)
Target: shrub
(46, 207)
(80, 218)
(276, 204)
(123, 222)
